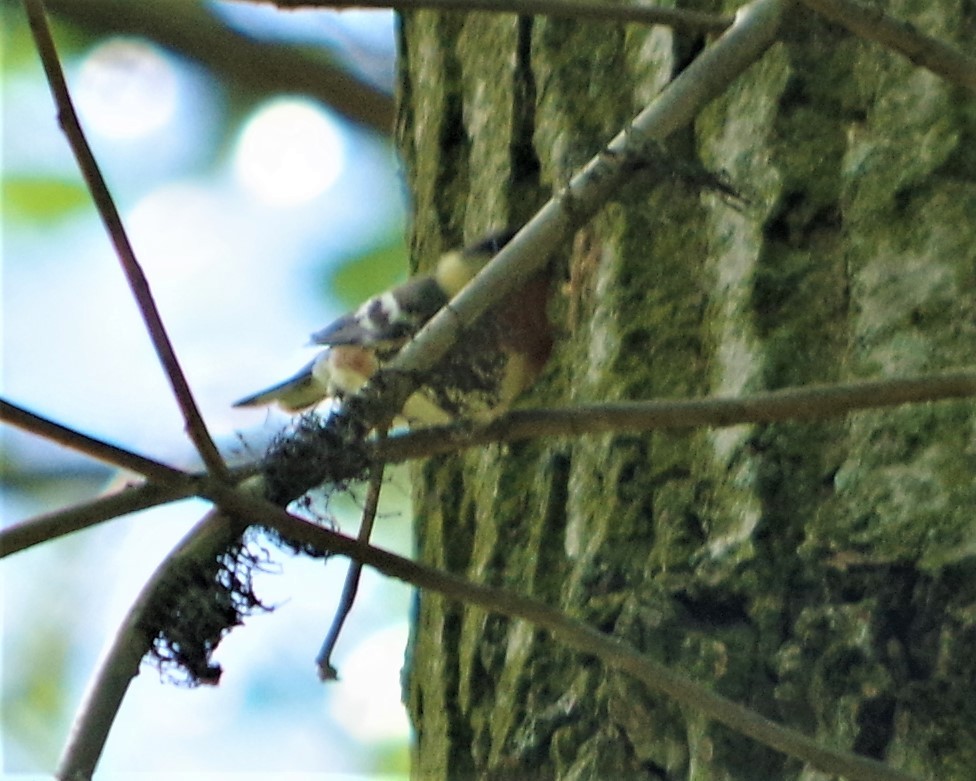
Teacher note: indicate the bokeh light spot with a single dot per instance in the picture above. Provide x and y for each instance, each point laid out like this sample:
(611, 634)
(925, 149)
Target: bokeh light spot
(289, 152)
(126, 89)
(368, 703)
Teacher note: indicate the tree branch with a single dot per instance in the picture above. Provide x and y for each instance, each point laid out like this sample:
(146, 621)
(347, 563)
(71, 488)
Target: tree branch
(678, 18)
(923, 50)
(327, 671)
(50, 526)
(138, 283)
(808, 402)
(121, 663)
(614, 653)
(90, 446)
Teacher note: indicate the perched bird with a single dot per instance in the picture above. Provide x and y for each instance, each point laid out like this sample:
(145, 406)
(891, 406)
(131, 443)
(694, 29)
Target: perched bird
(492, 363)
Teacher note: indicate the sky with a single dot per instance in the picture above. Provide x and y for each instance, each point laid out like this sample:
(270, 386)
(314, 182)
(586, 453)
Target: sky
(239, 223)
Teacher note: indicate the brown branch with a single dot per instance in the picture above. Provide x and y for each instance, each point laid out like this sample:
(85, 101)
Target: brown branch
(50, 526)
(677, 18)
(120, 664)
(809, 402)
(614, 653)
(68, 120)
(803, 403)
(90, 446)
(327, 671)
(923, 50)
(191, 30)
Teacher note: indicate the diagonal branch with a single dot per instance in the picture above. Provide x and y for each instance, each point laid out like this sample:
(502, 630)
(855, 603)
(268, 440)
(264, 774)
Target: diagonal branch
(614, 653)
(68, 119)
(575, 634)
(704, 79)
(924, 50)
(90, 446)
(120, 664)
(50, 526)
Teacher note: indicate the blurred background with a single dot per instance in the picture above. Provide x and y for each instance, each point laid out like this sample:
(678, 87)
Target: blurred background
(248, 153)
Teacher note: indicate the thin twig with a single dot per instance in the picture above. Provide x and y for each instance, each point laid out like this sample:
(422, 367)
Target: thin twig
(808, 402)
(166, 484)
(120, 664)
(799, 403)
(327, 671)
(50, 526)
(874, 24)
(90, 446)
(68, 120)
(680, 19)
(614, 653)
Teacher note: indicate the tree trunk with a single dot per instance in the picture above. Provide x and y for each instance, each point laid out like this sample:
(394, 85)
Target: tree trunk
(822, 573)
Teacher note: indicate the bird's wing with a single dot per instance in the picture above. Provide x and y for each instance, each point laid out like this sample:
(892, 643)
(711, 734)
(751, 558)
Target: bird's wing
(387, 319)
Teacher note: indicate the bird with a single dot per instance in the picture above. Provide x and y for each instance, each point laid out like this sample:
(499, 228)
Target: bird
(490, 365)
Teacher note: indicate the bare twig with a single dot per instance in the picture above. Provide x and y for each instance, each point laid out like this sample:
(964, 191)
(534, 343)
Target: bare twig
(327, 671)
(120, 663)
(677, 18)
(50, 526)
(90, 446)
(68, 119)
(614, 653)
(166, 483)
(874, 24)
(808, 402)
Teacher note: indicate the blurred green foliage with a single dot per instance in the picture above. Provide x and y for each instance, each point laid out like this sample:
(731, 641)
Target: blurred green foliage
(41, 198)
(355, 279)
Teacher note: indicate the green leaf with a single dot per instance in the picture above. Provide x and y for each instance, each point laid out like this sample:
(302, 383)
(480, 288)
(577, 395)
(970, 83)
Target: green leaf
(357, 278)
(33, 198)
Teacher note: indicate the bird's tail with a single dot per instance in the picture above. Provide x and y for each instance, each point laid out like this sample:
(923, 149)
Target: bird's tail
(297, 392)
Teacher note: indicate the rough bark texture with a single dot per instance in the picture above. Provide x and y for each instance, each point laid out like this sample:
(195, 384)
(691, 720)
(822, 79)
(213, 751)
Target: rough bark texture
(823, 573)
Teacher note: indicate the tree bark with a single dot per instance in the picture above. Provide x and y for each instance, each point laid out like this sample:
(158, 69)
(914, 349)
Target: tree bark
(822, 573)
